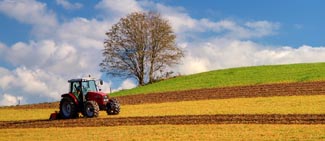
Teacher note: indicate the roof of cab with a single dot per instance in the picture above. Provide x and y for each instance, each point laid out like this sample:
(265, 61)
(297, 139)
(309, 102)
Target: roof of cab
(81, 79)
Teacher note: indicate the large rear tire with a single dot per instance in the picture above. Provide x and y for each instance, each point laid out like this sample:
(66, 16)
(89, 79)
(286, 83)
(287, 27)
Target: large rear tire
(113, 107)
(91, 109)
(68, 108)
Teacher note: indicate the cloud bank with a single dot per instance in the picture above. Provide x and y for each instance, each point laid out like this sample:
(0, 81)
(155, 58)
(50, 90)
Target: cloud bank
(221, 53)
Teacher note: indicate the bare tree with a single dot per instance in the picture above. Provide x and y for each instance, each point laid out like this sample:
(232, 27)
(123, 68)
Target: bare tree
(142, 46)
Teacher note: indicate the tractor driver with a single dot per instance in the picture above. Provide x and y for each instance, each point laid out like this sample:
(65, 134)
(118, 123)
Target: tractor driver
(77, 92)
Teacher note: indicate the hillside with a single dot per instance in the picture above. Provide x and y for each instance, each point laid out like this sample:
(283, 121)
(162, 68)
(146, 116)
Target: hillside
(274, 105)
(236, 77)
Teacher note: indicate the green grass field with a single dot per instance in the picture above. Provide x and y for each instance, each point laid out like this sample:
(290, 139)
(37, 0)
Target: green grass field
(236, 77)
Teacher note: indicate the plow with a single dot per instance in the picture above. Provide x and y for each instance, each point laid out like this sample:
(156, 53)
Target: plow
(85, 99)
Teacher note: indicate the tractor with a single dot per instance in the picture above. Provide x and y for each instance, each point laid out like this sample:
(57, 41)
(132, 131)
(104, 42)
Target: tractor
(86, 98)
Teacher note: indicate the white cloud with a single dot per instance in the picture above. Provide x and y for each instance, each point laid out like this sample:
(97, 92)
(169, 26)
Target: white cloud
(6, 79)
(185, 26)
(254, 29)
(192, 64)
(42, 66)
(4, 71)
(33, 85)
(226, 53)
(59, 58)
(7, 100)
(180, 21)
(30, 12)
(83, 32)
(126, 84)
(67, 5)
(119, 8)
(29, 82)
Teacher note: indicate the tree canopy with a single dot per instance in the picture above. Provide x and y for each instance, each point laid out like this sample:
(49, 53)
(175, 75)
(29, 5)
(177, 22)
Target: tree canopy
(142, 46)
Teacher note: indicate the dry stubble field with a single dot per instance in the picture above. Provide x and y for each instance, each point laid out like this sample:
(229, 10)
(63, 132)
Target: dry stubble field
(244, 116)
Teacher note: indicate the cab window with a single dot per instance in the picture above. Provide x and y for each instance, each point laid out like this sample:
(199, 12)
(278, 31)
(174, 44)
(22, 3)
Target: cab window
(75, 85)
(88, 86)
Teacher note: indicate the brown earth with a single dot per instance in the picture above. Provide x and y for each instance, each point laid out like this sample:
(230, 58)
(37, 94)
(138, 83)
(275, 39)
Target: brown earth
(174, 120)
(265, 90)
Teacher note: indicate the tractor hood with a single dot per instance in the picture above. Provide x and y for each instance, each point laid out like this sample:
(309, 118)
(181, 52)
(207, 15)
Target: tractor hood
(96, 94)
(100, 97)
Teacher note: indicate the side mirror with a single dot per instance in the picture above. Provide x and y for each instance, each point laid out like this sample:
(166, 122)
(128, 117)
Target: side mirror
(101, 82)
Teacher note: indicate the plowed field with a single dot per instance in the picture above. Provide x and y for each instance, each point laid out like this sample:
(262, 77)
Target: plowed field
(266, 90)
(287, 89)
(176, 120)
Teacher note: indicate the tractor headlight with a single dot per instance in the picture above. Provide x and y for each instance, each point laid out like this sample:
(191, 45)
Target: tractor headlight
(105, 98)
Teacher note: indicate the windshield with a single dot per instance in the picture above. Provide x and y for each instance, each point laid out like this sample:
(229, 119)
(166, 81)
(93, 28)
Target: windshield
(89, 86)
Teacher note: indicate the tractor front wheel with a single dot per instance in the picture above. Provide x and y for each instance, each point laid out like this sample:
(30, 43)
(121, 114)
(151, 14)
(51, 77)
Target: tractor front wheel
(113, 107)
(68, 108)
(91, 109)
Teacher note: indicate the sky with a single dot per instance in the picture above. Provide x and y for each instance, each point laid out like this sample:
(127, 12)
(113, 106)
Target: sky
(44, 43)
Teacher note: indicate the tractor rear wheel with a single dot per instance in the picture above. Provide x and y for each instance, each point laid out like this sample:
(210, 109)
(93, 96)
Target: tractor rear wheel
(68, 108)
(113, 107)
(91, 109)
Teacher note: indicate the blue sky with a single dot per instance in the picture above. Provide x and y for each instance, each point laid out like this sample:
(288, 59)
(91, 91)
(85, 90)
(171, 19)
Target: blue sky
(43, 43)
(301, 21)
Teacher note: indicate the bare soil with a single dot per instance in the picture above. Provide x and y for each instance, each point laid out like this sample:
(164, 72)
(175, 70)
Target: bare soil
(174, 120)
(265, 90)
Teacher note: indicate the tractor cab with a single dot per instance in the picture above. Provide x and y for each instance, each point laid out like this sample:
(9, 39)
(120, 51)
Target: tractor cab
(80, 88)
(85, 97)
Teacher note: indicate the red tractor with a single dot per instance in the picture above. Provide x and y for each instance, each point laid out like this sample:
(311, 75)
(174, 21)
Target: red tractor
(86, 98)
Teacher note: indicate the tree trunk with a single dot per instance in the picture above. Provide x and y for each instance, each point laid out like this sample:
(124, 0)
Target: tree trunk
(151, 77)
